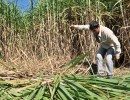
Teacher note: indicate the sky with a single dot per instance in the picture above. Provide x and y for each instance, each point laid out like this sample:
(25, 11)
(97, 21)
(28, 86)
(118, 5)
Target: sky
(23, 4)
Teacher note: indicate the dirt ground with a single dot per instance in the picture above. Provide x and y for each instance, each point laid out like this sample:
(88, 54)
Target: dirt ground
(12, 75)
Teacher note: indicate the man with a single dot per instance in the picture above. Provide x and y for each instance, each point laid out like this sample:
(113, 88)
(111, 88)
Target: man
(109, 45)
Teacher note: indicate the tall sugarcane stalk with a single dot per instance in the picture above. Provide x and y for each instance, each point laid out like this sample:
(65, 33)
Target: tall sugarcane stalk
(43, 32)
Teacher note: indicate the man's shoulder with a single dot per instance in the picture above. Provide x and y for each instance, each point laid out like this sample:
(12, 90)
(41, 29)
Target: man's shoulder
(106, 29)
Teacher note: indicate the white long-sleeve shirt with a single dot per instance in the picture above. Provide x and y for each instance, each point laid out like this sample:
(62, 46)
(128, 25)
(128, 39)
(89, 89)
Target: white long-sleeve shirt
(106, 36)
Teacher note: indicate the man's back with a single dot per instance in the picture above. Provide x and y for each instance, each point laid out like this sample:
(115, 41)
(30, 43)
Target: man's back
(108, 38)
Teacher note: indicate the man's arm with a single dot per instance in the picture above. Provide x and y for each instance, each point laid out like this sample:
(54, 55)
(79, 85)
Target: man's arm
(117, 45)
(80, 27)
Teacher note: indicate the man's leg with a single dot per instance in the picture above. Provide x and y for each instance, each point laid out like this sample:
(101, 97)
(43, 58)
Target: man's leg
(109, 62)
(99, 58)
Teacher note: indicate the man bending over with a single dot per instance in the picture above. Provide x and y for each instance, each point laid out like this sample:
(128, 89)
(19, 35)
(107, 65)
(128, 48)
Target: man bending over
(109, 46)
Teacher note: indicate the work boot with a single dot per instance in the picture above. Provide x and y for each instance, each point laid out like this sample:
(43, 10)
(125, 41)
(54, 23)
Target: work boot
(100, 75)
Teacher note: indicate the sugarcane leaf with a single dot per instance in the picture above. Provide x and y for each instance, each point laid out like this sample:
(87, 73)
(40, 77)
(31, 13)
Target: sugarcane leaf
(41, 92)
(33, 94)
(65, 92)
(81, 88)
(75, 61)
(61, 95)
(55, 87)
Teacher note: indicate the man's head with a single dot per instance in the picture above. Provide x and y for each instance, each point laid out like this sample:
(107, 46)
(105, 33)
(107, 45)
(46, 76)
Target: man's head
(94, 27)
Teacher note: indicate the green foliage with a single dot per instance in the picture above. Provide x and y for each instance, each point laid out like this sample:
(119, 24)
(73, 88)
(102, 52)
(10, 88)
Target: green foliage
(76, 60)
(72, 87)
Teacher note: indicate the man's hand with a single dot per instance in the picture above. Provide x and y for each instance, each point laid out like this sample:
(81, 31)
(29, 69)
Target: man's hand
(117, 57)
(72, 26)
